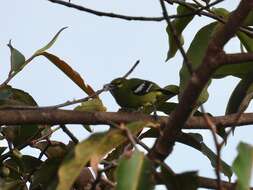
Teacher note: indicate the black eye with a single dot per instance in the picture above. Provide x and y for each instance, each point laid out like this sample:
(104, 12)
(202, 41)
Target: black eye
(117, 83)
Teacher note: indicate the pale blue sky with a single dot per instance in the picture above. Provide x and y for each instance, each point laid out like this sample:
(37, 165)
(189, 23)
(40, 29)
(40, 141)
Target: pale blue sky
(101, 49)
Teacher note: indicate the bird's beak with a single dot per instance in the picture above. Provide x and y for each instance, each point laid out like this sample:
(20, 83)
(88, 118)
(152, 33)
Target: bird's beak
(109, 87)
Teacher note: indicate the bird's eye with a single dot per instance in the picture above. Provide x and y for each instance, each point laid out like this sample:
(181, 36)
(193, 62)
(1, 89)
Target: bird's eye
(116, 83)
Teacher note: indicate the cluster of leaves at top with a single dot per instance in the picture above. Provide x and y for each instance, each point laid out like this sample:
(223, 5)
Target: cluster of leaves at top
(133, 170)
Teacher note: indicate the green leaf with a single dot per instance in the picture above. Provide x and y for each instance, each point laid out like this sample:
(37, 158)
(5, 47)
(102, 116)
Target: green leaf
(249, 19)
(186, 180)
(95, 147)
(225, 168)
(4, 171)
(200, 43)
(17, 59)
(46, 176)
(55, 150)
(195, 140)
(24, 165)
(67, 70)
(20, 134)
(241, 96)
(246, 41)
(17, 134)
(29, 163)
(222, 12)
(242, 166)
(12, 96)
(91, 106)
(14, 172)
(179, 24)
(11, 184)
(134, 172)
(46, 47)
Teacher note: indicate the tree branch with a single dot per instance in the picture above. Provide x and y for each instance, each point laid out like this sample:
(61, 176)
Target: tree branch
(198, 81)
(100, 13)
(212, 184)
(237, 58)
(209, 183)
(57, 117)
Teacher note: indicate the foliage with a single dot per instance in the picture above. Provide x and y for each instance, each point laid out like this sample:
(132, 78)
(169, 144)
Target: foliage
(125, 165)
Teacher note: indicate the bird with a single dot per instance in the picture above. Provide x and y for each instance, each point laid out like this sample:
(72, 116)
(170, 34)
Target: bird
(136, 93)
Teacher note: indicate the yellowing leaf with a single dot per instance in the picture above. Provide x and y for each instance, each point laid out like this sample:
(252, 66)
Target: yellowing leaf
(91, 106)
(73, 75)
(97, 145)
(55, 150)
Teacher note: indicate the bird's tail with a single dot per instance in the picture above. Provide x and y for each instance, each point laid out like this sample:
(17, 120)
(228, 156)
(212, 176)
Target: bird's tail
(169, 91)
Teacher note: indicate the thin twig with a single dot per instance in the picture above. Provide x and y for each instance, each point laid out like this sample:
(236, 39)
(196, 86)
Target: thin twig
(105, 88)
(132, 69)
(232, 129)
(46, 136)
(213, 129)
(140, 18)
(13, 74)
(28, 177)
(111, 15)
(69, 133)
(128, 134)
(143, 145)
(67, 103)
(200, 11)
(100, 177)
(175, 36)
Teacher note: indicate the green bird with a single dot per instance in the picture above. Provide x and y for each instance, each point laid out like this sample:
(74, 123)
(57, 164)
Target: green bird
(135, 93)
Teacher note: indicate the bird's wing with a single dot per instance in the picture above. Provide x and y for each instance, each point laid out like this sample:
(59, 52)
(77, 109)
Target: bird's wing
(142, 87)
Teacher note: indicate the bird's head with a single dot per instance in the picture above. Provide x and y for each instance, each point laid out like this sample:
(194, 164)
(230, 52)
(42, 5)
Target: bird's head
(117, 83)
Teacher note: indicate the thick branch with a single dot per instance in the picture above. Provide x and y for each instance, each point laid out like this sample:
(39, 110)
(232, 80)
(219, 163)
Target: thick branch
(198, 81)
(100, 13)
(55, 117)
(208, 183)
(212, 183)
(236, 58)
